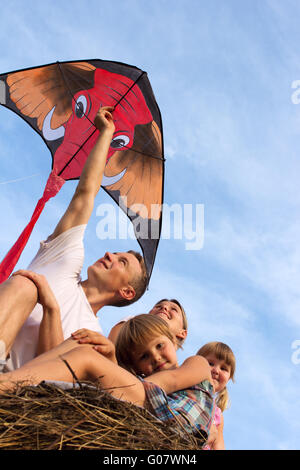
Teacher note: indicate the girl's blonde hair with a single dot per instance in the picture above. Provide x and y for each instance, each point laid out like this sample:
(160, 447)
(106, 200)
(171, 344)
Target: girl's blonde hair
(137, 332)
(223, 353)
(180, 341)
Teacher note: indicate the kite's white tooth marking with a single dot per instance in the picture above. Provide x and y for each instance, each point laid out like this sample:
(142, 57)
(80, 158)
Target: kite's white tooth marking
(107, 180)
(2, 93)
(48, 132)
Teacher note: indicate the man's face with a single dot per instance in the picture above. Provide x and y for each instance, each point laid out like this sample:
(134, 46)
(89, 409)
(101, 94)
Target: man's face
(114, 271)
(172, 314)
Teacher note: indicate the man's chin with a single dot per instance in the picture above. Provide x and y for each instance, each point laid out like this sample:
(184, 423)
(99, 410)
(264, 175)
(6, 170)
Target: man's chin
(163, 316)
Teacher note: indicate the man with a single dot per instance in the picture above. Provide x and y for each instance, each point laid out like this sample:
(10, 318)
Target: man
(115, 279)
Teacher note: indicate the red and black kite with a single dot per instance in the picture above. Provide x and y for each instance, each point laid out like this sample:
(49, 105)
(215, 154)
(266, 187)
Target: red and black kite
(60, 102)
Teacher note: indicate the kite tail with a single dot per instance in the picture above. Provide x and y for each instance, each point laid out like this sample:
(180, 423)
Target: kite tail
(53, 186)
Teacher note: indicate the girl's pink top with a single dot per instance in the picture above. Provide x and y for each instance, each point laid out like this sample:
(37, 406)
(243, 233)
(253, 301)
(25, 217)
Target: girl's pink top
(216, 421)
(217, 418)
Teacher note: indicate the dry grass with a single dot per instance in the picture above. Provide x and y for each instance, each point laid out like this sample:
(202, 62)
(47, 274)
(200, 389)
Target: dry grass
(47, 417)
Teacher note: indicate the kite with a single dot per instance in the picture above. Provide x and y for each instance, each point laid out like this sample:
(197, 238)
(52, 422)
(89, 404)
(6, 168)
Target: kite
(60, 101)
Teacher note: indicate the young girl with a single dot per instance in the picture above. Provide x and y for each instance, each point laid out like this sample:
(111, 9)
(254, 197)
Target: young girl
(147, 348)
(144, 347)
(222, 364)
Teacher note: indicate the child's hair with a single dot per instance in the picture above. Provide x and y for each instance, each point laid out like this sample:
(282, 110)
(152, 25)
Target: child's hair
(223, 353)
(137, 332)
(184, 317)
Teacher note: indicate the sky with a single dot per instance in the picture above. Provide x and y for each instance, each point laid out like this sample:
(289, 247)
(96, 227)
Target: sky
(224, 75)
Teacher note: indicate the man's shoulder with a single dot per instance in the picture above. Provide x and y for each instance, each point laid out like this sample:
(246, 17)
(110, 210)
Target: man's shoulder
(73, 232)
(66, 249)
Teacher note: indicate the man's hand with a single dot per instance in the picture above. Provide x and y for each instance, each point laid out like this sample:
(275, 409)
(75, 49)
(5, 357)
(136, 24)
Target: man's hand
(50, 331)
(82, 203)
(101, 344)
(45, 295)
(104, 120)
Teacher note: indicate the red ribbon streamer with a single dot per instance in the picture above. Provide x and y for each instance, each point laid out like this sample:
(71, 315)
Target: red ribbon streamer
(53, 185)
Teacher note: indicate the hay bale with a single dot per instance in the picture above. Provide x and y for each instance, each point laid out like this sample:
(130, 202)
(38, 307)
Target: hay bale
(47, 417)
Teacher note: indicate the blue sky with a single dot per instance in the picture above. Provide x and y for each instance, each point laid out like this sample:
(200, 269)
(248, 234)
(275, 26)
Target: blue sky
(222, 74)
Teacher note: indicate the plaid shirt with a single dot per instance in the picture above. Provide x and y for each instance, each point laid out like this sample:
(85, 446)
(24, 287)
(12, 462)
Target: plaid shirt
(192, 408)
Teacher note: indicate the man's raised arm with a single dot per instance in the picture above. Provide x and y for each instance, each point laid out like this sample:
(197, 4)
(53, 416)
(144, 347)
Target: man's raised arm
(82, 203)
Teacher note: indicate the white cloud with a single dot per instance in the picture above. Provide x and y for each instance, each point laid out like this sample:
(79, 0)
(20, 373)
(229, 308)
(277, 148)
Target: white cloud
(270, 261)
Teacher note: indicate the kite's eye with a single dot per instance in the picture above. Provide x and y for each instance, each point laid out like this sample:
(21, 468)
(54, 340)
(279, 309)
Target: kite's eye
(81, 106)
(120, 141)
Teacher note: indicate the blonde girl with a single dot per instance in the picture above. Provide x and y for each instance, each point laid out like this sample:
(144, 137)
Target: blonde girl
(143, 347)
(222, 363)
